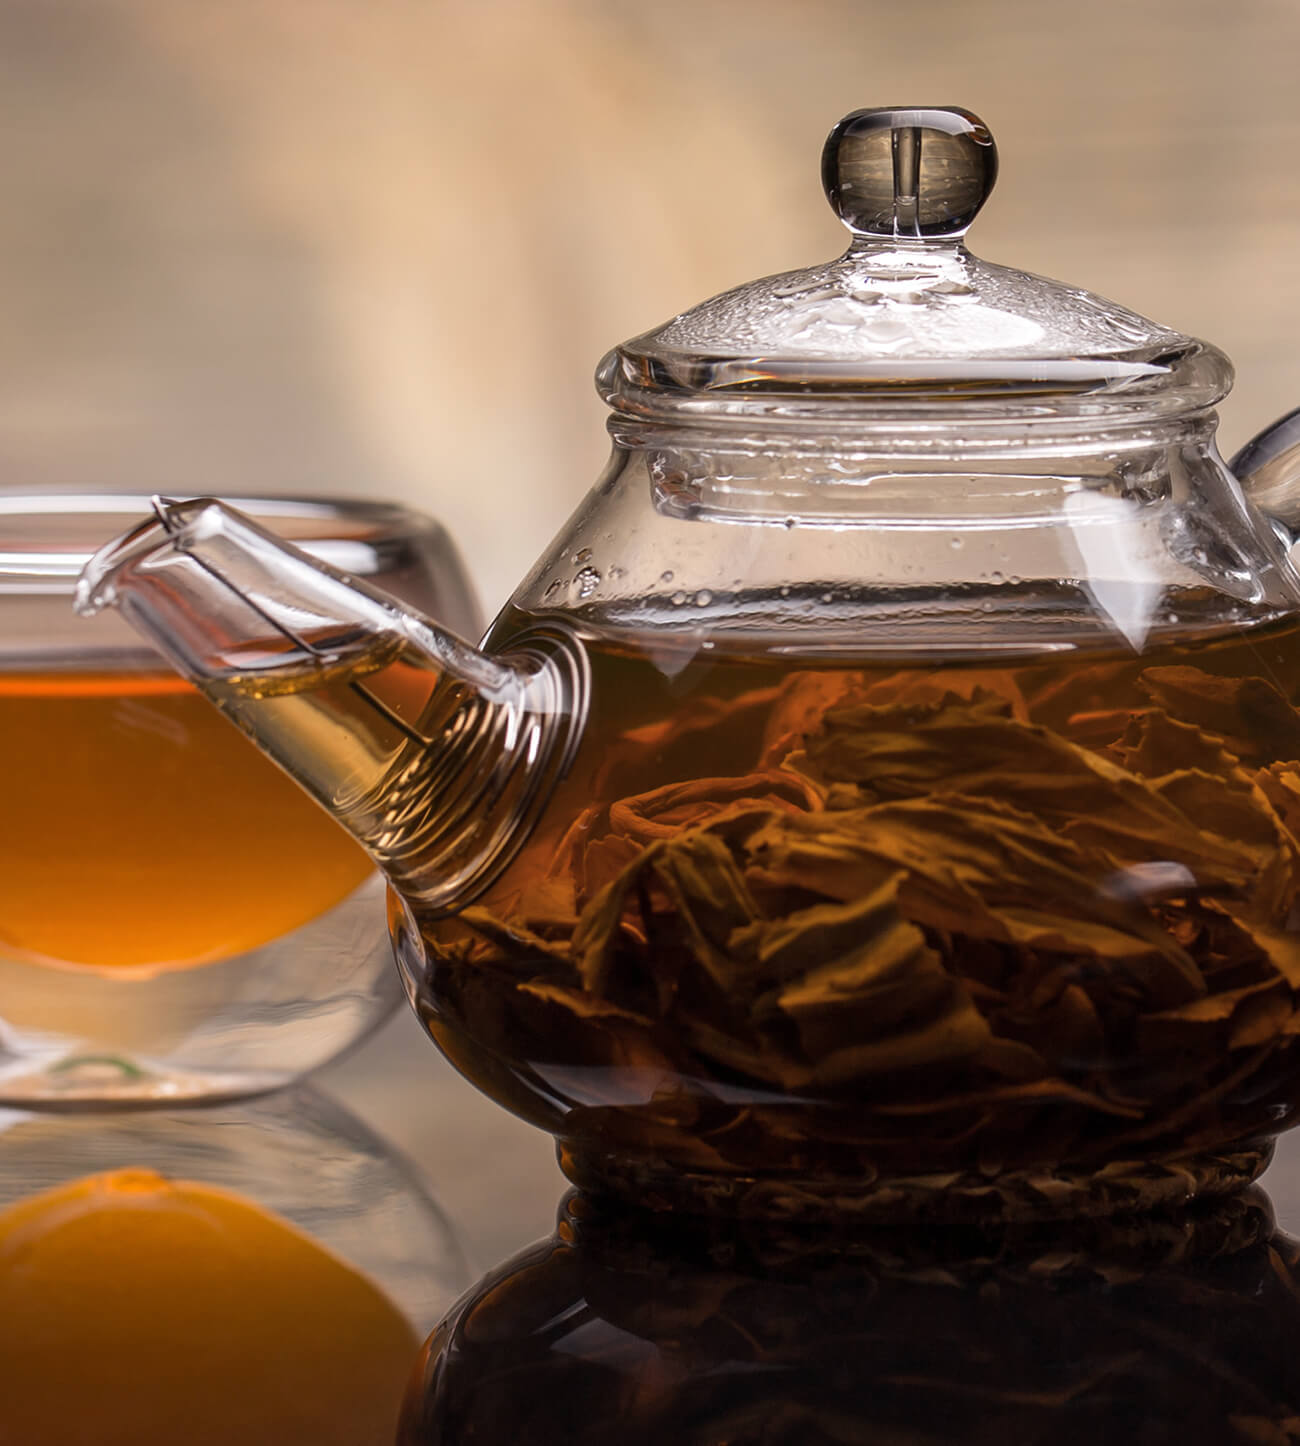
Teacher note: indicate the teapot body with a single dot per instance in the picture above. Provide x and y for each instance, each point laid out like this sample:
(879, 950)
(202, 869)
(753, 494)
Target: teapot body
(935, 861)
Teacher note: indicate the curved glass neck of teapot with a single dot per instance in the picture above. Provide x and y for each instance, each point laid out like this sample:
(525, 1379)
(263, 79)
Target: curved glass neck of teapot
(924, 471)
(433, 755)
(893, 544)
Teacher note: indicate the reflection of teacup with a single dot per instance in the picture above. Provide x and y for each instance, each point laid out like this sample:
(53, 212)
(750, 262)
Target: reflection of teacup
(259, 1273)
(176, 919)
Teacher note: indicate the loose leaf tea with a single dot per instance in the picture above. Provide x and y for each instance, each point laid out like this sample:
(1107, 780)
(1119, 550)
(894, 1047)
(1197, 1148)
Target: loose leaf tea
(852, 924)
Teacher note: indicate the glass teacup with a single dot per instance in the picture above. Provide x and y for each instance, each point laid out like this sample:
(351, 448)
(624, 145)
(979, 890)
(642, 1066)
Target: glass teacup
(177, 921)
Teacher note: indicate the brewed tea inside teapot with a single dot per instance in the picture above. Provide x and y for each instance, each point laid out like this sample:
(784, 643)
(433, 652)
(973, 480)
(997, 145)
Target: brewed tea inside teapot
(882, 800)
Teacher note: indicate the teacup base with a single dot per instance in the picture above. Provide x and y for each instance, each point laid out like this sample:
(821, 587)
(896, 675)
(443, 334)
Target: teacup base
(81, 1081)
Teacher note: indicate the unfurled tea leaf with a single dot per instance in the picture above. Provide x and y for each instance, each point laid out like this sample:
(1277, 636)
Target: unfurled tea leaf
(1261, 1018)
(665, 812)
(861, 971)
(599, 923)
(830, 934)
(956, 1033)
(978, 751)
(982, 870)
(1154, 744)
(581, 1003)
(512, 936)
(1254, 720)
(709, 898)
(1280, 784)
(1280, 945)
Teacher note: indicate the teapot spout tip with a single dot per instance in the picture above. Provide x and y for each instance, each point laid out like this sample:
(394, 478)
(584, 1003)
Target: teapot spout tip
(162, 508)
(96, 588)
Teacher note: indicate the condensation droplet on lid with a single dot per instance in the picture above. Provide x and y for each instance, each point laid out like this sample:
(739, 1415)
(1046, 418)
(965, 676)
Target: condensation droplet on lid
(954, 542)
(785, 592)
(828, 597)
(583, 555)
(665, 577)
(703, 598)
(678, 599)
(789, 523)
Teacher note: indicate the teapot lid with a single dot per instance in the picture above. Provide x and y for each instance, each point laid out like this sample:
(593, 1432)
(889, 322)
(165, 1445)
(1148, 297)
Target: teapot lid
(908, 321)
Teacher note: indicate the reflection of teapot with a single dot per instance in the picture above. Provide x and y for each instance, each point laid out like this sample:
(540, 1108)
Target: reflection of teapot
(884, 796)
(1177, 1328)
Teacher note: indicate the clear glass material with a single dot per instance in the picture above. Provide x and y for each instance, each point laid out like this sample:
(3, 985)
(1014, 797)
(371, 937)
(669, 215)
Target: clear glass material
(882, 799)
(908, 323)
(260, 1271)
(176, 921)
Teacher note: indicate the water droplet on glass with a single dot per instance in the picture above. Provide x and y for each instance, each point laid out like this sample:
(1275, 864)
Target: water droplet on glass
(789, 523)
(586, 582)
(678, 599)
(555, 587)
(665, 577)
(703, 598)
(954, 542)
(583, 556)
(785, 592)
(995, 576)
(828, 597)
(617, 571)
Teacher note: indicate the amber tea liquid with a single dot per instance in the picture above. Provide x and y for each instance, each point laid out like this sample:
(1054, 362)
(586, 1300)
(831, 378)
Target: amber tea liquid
(928, 923)
(141, 829)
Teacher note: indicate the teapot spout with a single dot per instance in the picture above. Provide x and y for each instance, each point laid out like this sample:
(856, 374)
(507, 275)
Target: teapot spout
(1268, 468)
(435, 756)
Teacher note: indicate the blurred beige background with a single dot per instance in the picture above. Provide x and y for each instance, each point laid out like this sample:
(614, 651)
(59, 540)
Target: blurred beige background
(378, 246)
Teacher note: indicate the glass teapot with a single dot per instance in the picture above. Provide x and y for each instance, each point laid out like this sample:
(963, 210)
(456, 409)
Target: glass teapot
(883, 798)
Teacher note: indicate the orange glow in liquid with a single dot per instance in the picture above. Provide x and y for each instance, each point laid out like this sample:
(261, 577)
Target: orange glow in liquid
(140, 828)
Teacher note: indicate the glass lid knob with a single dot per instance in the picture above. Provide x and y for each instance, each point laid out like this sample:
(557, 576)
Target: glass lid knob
(909, 174)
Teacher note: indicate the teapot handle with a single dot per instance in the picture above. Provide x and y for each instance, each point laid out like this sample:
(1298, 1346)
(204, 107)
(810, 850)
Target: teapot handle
(1268, 468)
